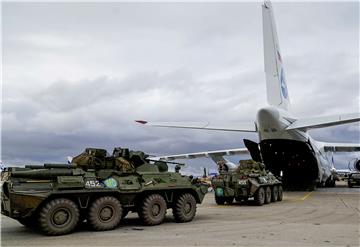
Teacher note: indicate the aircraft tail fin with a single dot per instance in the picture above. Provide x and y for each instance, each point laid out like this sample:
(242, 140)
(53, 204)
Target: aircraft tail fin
(277, 93)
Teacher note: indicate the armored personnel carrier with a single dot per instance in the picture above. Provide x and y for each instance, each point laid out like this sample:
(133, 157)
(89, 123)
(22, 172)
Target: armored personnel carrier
(353, 179)
(100, 189)
(248, 180)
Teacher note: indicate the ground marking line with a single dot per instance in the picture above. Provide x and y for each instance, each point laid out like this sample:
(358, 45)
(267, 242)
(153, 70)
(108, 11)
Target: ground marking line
(306, 196)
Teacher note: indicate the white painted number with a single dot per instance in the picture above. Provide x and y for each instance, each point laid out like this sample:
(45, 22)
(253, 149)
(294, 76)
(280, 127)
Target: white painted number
(92, 184)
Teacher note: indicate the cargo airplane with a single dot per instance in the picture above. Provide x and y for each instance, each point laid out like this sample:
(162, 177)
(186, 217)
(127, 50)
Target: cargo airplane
(284, 143)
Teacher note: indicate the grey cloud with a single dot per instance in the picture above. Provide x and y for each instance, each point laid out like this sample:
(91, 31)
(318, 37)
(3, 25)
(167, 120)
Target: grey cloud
(78, 75)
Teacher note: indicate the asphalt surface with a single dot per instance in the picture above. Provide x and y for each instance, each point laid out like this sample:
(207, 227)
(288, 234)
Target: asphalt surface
(326, 217)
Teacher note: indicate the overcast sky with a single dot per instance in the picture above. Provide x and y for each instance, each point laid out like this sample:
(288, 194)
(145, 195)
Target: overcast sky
(76, 75)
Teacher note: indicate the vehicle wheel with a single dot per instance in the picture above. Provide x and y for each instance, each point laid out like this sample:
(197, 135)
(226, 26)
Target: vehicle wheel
(350, 185)
(220, 200)
(185, 208)
(260, 196)
(274, 193)
(333, 183)
(153, 210)
(105, 213)
(229, 200)
(58, 217)
(280, 193)
(267, 195)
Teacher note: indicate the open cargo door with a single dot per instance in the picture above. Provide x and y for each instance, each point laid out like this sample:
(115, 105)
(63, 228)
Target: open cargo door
(254, 150)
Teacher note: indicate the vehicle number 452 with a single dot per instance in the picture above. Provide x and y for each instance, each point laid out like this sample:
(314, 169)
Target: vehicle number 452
(93, 184)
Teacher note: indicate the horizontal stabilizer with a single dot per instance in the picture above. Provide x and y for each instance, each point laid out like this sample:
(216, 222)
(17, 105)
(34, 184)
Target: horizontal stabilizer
(218, 159)
(321, 122)
(208, 154)
(341, 147)
(243, 127)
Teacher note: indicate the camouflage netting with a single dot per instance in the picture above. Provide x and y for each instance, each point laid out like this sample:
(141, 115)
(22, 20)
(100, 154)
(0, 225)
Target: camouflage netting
(122, 159)
(250, 166)
(90, 158)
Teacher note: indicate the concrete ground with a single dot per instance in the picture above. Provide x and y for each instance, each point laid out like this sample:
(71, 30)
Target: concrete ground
(326, 217)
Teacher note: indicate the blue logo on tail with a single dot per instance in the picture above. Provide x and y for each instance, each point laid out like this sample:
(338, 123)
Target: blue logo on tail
(284, 90)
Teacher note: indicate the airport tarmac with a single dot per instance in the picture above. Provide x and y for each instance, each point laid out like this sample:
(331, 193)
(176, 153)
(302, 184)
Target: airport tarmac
(325, 217)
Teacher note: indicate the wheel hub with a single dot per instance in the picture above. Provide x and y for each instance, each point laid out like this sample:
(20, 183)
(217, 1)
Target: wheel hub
(60, 217)
(187, 208)
(106, 213)
(155, 210)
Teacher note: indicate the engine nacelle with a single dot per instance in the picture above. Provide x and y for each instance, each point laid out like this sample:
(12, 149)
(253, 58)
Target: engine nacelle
(356, 165)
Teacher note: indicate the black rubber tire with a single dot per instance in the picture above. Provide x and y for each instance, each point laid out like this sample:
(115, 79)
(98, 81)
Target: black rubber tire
(184, 209)
(350, 185)
(58, 217)
(333, 183)
(220, 200)
(267, 195)
(330, 182)
(259, 196)
(274, 193)
(153, 210)
(105, 213)
(280, 193)
(229, 200)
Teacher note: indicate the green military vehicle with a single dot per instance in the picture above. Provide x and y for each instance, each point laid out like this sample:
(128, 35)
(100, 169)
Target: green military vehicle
(353, 179)
(100, 189)
(248, 180)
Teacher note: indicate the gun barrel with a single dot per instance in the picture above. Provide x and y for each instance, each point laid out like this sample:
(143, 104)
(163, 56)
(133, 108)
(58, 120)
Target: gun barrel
(168, 162)
(42, 173)
(49, 165)
(34, 167)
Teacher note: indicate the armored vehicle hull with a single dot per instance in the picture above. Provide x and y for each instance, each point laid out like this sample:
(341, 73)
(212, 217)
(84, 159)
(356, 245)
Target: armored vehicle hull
(353, 179)
(249, 180)
(54, 198)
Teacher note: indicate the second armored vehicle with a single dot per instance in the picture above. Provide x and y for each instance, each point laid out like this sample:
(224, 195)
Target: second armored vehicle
(353, 179)
(248, 180)
(100, 189)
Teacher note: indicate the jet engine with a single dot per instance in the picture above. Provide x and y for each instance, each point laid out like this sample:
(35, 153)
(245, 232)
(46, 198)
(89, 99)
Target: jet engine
(354, 165)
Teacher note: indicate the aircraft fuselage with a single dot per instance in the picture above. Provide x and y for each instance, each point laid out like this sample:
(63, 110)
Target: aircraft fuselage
(292, 153)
